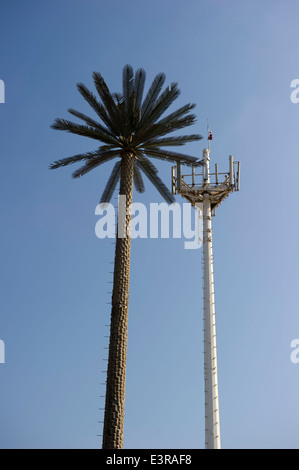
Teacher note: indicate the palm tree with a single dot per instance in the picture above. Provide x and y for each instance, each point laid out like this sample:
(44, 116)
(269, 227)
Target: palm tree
(130, 129)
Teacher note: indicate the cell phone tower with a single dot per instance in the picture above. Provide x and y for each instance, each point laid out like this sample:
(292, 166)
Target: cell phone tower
(206, 191)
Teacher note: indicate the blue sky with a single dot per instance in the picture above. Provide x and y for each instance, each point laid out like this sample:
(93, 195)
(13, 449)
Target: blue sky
(236, 61)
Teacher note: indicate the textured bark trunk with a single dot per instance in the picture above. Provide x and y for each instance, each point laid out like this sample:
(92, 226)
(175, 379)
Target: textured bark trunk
(116, 374)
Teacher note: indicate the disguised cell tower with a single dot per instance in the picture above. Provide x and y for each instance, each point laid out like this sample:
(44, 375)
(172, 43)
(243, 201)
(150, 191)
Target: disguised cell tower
(207, 190)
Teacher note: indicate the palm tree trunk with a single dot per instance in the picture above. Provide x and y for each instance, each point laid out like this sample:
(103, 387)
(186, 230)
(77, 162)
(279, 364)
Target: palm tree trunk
(116, 373)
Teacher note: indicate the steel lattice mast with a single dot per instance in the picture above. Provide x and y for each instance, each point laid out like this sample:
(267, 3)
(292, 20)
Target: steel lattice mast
(207, 193)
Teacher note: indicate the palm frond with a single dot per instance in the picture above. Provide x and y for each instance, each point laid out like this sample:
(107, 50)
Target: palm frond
(107, 99)
(178, 113)
(74, 159)
(139, 86)
(158, 130)
(163, 103)
(138, 181)
(129, 118)
(125, 122)
(128, 76)
(86, 131)
(173, 141)
(171, 156)
(174, 125)
(118, 97)
(146, 162)
(93, 163)
(157, 182)
(111, 184)
(96, 105)
(89, 121)
(152, 94)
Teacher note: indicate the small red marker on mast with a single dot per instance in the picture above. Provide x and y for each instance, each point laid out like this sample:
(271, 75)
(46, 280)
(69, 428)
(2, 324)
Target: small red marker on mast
(210, 135)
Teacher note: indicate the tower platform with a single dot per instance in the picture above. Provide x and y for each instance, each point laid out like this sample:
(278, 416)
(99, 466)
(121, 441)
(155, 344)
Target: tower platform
(193, 185)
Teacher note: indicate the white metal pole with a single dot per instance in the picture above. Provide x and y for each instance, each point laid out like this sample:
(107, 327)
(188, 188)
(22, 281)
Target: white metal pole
(212, 425)
(231, 170)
